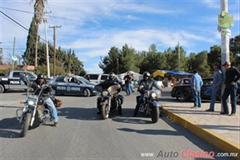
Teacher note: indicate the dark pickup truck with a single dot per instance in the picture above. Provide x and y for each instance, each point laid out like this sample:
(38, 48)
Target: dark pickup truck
(183, 92)
(13, 81)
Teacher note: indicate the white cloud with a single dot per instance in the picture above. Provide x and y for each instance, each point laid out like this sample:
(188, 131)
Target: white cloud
(212, 3)
(94, 68)
(91, 28)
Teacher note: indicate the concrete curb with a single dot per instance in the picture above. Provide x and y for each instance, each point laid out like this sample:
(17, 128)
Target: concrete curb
(211, 137)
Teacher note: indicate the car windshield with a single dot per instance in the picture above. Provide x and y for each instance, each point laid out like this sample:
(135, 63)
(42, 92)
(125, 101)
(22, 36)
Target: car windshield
(119, 77)
(33, 74)
(82, 79)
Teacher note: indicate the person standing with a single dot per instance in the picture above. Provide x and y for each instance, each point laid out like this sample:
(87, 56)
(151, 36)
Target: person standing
(216, 85)
(131, 84)
(128, 79)
(232, 76)
(88, 77)
(196, 84)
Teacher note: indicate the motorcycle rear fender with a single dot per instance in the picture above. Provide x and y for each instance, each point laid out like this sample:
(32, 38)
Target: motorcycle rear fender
(155, 104)
(121, 98)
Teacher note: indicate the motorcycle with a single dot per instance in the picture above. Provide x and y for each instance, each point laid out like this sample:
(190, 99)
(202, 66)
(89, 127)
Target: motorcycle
(150, 105)
(110, 101)
(34, 112)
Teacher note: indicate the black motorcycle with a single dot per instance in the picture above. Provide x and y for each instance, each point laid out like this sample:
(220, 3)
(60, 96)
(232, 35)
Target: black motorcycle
(34, 113)
(110, 101)
(150, 105)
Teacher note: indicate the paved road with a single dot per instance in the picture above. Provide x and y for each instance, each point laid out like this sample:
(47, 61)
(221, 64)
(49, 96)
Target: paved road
(83, 135)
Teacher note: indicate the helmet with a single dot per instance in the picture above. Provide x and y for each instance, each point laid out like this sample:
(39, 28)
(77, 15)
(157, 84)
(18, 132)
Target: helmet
(146, 74)
(40, 76)
(111, 75)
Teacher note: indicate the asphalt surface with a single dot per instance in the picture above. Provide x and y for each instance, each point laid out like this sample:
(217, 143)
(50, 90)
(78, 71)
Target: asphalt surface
(82, 134)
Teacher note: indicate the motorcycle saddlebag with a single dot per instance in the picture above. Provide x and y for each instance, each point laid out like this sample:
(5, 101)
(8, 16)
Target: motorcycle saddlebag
(57, 102)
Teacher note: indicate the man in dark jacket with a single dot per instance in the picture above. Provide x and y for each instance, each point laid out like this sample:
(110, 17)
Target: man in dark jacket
(36, 85)
(232, 76)
(112, 83)
(146, 84)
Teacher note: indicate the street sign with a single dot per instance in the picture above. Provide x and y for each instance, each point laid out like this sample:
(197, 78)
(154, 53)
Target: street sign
(14, 58)
(226, 32)
(225, 20)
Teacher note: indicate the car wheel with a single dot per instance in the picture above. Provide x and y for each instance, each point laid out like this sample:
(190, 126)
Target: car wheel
(181, 95)
(86, 92)
(238, 98)
(1, 88)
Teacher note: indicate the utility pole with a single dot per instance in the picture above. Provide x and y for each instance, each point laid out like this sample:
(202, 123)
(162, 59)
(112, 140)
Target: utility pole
(47, 52)
(54, 57)
(117, 65)
(69, 61)
(178, 58)
(14, 49)
(224, 45)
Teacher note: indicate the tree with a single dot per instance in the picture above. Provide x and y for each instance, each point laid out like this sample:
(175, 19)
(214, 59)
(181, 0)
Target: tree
(38, 15)
(214, 55)
(152, 60)
(235, 51)
(191, 62)
(172, 59)
(110, 63)
(201, 64)
(127, 59)
(29, 55)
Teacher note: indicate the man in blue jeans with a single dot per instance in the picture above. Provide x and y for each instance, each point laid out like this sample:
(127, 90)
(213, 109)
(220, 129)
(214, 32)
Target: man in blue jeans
(232, 76)
(216, 85)
(128, 78)
(36, 85)
(196, 84)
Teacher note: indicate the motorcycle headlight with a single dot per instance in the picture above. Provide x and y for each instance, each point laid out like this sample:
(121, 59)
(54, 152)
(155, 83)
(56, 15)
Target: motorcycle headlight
(104, 93)
(153, 95)
(31, 103)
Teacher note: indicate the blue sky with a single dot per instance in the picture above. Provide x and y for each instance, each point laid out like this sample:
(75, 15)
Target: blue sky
(92, 27)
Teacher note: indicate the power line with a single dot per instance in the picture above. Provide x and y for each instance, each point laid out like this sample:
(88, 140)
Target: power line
(14, 21)
(19, 24)
(109, 25)
(16, 10)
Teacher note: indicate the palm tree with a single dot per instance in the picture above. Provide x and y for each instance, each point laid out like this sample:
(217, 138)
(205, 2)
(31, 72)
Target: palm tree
(38, 15)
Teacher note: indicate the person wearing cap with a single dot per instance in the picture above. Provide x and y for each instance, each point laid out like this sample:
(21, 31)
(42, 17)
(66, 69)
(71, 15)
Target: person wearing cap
(216, 85)
(196, 84)
(232, 76)
(45, 96)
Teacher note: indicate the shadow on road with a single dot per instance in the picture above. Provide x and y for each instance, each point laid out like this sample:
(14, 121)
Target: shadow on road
(79, 113)
(176, 130)
(7, 126)
(152, 131)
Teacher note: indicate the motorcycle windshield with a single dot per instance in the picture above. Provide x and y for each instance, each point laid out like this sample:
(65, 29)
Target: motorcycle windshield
(114, 88)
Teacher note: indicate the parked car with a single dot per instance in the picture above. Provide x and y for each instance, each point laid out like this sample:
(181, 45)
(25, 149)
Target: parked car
(185, 81)
(72, 85)
(98, 78)
(13, 82)
(183, 92)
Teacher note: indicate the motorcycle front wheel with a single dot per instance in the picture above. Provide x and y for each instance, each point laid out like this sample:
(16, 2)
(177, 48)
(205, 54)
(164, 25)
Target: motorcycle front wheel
(25, 125)
(105, 110)
(155, 114)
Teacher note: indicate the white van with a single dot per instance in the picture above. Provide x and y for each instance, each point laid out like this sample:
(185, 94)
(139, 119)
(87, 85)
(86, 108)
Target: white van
(97, 78)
